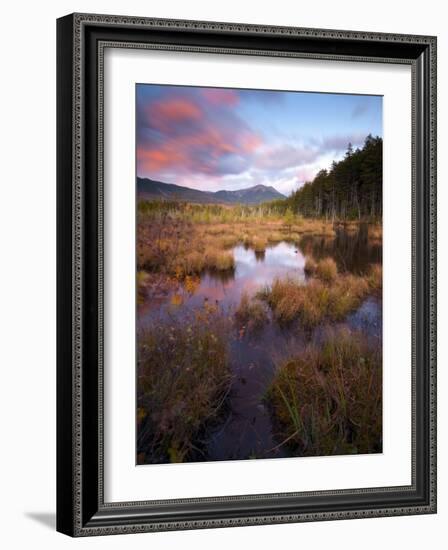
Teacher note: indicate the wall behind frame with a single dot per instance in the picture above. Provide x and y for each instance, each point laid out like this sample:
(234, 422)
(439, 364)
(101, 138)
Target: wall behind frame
(28, 300)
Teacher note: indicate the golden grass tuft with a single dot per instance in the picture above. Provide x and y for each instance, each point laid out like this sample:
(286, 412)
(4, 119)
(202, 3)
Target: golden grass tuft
(326, 270)
(375, 277)
(258, 244)
(223, 261)
(194, 263)
(319, 300)
(327, 399)
(276, 237)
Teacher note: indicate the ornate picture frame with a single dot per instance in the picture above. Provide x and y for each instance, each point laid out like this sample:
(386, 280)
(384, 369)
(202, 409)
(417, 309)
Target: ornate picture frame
(81, 506)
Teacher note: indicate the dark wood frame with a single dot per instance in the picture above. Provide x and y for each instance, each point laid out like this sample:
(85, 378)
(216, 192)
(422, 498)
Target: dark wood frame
(81, 39)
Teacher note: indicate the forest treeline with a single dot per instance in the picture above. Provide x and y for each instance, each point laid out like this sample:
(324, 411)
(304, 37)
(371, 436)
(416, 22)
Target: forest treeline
(350, 190)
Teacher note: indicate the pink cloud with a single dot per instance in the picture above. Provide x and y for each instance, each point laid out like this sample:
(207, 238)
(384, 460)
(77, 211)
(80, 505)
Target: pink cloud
(306, 174)
(192, 138)
(216, 96)
(158, 159)
(164, 115)
(250, 142)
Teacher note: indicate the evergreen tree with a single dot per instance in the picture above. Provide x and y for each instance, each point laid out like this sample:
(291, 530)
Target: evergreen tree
(351, 189)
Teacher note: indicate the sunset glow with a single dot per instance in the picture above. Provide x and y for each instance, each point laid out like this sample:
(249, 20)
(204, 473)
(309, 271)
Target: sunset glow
(216, 138)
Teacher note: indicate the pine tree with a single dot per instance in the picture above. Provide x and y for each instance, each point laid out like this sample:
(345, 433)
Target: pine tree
(351, 189)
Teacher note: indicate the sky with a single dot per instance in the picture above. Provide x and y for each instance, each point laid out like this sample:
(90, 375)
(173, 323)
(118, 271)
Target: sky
(227, 138)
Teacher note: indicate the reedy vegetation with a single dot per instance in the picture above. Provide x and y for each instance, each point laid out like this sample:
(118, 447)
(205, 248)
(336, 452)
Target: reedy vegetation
(251, 314)
(327, 399)
(183, 379)
(178, 240)
(327, 296)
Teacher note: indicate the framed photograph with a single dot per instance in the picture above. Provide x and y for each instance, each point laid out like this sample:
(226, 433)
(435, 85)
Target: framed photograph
(246, 274)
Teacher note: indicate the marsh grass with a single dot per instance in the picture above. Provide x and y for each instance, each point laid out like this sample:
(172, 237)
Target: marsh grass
(181, 239)
(326, 270)
(318, 300)
(218, 260)
(179, 249)
(251, 314)
(327, 399)
(375, 278)
(259, 244)
(183, 379)
(276, 236)
(317, 396)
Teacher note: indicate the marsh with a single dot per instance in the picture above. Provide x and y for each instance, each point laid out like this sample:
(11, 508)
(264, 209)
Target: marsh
(250, 422)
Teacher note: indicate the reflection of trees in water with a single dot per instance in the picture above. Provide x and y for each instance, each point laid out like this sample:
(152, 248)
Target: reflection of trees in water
(223, 276)
(352, 251)
(260, 255)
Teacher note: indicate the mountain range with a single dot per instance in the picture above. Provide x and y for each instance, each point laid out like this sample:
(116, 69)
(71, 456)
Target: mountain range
(151, 189)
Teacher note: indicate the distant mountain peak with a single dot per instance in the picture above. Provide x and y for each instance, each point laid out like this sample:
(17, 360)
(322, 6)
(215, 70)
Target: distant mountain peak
(257, 194)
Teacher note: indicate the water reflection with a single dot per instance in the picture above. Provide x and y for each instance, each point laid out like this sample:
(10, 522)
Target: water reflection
(352, 251)
(226, 288)
(260, 255)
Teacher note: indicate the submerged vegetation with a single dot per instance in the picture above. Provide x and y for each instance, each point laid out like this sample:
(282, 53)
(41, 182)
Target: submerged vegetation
(251, 314)
(326, 399)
